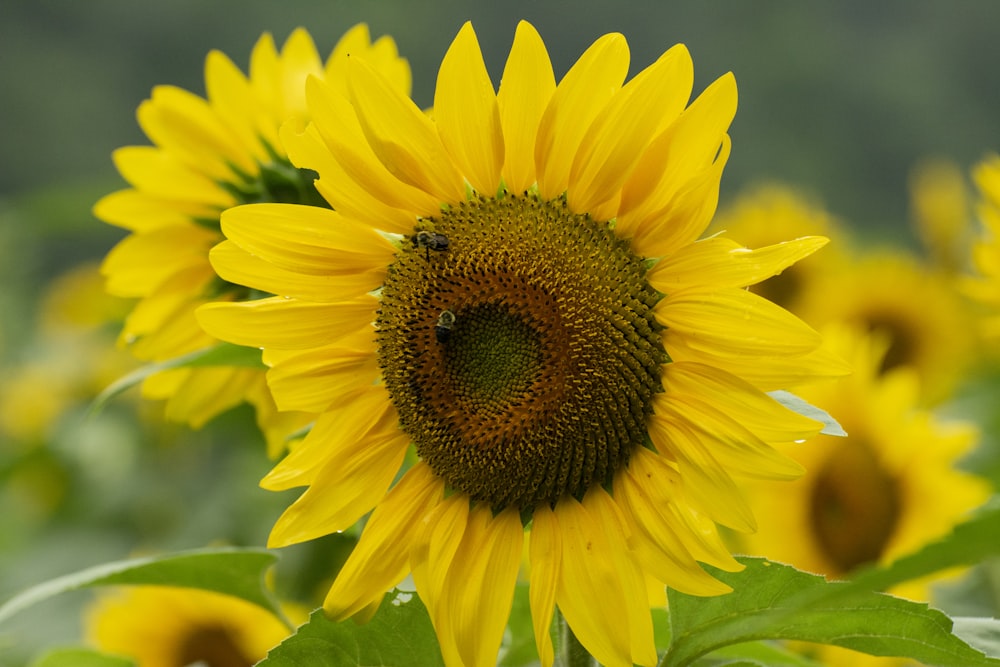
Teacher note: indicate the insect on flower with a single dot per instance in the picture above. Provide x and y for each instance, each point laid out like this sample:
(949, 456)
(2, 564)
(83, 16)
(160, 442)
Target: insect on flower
(430, 241)
(442, 330)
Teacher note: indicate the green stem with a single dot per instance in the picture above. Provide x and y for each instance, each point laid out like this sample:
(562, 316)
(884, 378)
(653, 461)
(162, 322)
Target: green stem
(571, 652)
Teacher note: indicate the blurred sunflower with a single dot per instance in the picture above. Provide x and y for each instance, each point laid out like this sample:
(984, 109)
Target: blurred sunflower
(71, 358)
(160, 626)
(927, 323)
(940, 210)
(771, 213)
(550, 374)
(887, 489)
(208, 155)
(984, 287)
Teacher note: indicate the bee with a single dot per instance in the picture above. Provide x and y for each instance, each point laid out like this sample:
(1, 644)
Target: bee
(442, 330)
(430, 241)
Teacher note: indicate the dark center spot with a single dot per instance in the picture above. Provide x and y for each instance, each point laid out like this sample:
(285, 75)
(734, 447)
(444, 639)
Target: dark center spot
(214, 647)
(854, 507)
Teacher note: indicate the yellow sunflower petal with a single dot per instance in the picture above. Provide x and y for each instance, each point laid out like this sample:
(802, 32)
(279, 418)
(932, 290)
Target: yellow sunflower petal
(352, 480)
(237, 266)
(207, 392)
(347, 423)
(402, 136)
(162, 325)
(353, 43)
(687, 215)
(479, 589)
(615, 140)
(232, 98)
(526, 87)
(723, 262)
(706, 482)
(265, 81)
(307, 239)
(684, 149)
(159, 174)
(380, 559)
(370, 180)
(353, 199)
(757, 411)
(739, 451)
(186, 126)
(603, 508)
(432, 550)
(657, 491)
(767, 373)
(545, 555)
(467, 115)
(589, 573)
(141, 262)
(647, 490)
(299, 60)
(286, 324)
(734, 321)
(316, 379)
(382, 54)
(579, 97)
(140, 212)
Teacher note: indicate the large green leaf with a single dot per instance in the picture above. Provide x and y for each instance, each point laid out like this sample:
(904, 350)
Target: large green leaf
(223, 354)
(236, 572)
(767, 602)
(757, 654)
(400, 633)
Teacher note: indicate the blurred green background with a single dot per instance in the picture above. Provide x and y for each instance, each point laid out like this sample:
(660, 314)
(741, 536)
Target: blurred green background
(839, 99)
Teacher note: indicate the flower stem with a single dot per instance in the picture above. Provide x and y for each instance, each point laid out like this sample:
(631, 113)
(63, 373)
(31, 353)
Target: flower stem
(571, 651)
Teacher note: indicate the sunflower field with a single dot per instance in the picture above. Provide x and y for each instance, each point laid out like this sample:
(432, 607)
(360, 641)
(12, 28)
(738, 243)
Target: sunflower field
(557, 334)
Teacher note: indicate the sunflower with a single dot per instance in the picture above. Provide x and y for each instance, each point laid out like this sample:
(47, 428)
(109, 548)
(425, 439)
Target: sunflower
(940, 211)
(984, 287)
(209, 154)
(929, 326)
(887, 489)
(513, 286)
(160, 626)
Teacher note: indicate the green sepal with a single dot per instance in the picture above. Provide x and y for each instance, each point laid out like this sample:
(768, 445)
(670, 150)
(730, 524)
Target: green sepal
(830, 425)
(223, 354)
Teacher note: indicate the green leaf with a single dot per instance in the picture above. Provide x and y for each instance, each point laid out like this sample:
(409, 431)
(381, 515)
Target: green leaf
(969, 543)
(223, 354)
(767, 603)
(236, 572)
(400, 633)
(758, 654)
(80, 657)
(830, 425)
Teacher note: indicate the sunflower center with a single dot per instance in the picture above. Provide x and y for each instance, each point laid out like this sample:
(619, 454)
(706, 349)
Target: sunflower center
(902, 345)
(855, 507)
(214, 647)
(518, 345)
